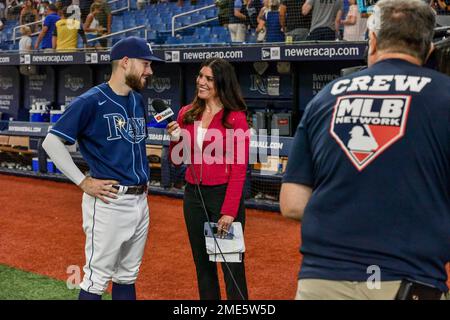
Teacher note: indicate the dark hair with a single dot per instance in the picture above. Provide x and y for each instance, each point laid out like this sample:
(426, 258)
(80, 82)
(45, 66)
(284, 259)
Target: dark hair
(64, 12)
(227, 88)
(407, 26)
(52, 7)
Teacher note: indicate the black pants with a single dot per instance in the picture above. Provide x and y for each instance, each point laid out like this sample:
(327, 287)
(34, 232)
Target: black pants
(194, 216)
(323, 33)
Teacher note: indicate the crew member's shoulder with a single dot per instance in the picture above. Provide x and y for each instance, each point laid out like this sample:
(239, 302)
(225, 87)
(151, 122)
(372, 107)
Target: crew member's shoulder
(439, 78)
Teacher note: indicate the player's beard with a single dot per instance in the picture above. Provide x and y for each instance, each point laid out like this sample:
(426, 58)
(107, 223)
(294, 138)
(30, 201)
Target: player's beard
(134, 82)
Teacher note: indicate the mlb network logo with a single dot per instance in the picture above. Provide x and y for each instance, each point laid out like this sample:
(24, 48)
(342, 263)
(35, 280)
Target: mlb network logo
(271, 53)
(172, 56)
(364, 126)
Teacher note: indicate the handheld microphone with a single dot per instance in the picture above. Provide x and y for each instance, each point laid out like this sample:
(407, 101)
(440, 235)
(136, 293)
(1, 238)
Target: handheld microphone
(163, 112)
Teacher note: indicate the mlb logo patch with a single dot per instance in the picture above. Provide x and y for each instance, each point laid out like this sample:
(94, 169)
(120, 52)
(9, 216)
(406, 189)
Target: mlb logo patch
(366, 125)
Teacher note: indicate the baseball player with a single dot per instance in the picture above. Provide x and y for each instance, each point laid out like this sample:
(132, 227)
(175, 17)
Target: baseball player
(376, 212)
(109, 123)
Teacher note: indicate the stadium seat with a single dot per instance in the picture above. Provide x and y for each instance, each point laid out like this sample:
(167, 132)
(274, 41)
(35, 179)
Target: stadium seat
(152, 35)
(173, 40)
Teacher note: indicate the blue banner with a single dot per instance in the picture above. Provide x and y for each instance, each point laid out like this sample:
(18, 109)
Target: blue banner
(40, 87)
(265, 80)
(331, 51)
(164, 85)
(313, 77)
(73, 81)
(102, 73)
(9, 92)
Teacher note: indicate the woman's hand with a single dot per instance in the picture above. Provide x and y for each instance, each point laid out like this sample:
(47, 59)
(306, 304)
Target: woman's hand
(224, 224)
(174, 131)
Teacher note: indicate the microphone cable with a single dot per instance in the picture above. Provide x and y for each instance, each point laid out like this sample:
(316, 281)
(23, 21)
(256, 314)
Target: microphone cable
(212, 231)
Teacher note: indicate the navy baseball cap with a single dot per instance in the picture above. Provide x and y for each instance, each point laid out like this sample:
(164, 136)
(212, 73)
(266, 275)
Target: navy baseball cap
(133, 47)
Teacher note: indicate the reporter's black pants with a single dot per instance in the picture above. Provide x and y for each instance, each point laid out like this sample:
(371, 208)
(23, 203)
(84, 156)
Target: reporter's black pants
(194, 216)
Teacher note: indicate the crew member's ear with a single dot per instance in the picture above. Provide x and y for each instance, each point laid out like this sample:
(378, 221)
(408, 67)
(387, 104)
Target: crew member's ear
(430, 51)
(372, 43)
(372, 50)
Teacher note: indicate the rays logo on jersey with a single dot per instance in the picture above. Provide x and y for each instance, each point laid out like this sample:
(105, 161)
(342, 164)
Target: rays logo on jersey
(131, 129)
(366, 125)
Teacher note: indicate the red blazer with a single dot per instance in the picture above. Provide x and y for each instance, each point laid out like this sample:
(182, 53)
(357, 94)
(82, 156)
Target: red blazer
(219, 164)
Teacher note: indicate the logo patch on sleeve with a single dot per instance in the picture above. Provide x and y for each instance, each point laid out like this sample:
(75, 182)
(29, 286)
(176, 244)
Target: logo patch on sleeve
(366, 125)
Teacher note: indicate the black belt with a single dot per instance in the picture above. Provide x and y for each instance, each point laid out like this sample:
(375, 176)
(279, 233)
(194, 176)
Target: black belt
(133, 189)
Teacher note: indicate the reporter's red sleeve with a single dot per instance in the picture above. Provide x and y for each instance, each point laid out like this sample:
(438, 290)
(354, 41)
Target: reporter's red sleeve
(238, 171)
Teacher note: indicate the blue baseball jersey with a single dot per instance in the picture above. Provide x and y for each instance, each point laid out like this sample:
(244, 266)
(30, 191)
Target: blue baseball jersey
(375, 149)
(111, 133)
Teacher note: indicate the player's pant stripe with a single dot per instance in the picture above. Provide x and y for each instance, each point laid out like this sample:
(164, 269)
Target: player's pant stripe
(92, 249)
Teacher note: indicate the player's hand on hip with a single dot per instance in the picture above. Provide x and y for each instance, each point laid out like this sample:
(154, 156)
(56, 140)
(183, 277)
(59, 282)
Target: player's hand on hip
(101, 189)
(174, 131)
(224, 224)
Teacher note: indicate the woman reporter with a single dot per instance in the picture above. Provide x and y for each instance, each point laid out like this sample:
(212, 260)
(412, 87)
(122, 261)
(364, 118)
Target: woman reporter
(213, 134)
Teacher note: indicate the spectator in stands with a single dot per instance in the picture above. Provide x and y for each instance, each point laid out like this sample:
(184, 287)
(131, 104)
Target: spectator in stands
(59, 7)
(28, 14)
(140, 4)
(13, 8)
(65, 35)
(355, 25)
(261, 30)
(25, 43)
(272, 23)
(45, 36)
(2, 14)
(237, 25)
(224, 12)
(253, 9)
(92, 26)
(74, 9)
(442, 6)
(2, 9)
(42, 9)
(104, 19)
(325, 20)
(2, 23)
(292, 21)
(85, 8)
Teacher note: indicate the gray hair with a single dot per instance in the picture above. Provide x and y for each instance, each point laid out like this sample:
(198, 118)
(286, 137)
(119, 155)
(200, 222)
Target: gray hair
(403, 26)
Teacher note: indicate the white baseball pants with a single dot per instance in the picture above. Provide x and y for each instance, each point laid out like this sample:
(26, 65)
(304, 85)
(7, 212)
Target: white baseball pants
(116, 234)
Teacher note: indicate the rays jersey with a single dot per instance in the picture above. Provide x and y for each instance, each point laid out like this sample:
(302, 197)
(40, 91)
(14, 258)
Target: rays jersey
(375, 148)
(111, 133)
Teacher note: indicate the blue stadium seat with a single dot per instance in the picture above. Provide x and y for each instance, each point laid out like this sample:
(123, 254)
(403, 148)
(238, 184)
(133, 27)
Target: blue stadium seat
(184, 20)
(210, 13)
(218, 30)
(202, 31)
(173, 40)
(152, 35)
(198, 18)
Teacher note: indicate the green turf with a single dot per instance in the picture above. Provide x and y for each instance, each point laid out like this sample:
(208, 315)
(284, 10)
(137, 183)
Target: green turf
(21, 285)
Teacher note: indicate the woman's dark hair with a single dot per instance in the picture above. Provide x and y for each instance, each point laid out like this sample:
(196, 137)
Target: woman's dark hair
(227, 88)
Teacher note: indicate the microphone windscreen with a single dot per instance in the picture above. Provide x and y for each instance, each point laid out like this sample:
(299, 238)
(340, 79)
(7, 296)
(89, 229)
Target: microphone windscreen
(159, 105)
